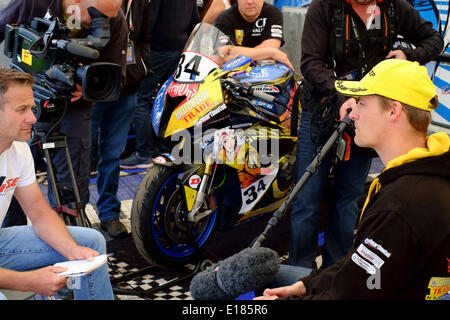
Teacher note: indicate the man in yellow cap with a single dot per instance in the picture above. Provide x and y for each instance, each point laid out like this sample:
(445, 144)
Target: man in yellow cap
(402, 247)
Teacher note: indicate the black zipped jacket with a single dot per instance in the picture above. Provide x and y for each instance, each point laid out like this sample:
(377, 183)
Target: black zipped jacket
(404, 233)
(171, 23)
(137, 17)
(318, 40)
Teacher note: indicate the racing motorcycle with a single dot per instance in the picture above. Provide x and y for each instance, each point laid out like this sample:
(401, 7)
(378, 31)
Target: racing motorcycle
(230, 134)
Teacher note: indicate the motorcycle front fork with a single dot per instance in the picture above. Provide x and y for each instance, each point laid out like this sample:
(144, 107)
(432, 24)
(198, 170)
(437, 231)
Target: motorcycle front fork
(195, 214)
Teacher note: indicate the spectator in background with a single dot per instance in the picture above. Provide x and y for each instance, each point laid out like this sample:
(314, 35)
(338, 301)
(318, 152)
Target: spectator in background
(256, 29)
(111, 120)
(171, 22)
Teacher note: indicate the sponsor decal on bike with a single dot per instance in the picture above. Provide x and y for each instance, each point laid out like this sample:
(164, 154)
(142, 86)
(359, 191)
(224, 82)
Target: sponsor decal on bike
(266, 88)
(194, 67)
(182, 89)
(438, 286)
(253, 193)
(194, 181)
(211, 114)
(196, 101)
(197, 110)
(236, 63)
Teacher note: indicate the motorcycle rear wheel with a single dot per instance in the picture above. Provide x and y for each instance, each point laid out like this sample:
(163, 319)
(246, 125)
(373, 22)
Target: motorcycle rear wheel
(158, 220)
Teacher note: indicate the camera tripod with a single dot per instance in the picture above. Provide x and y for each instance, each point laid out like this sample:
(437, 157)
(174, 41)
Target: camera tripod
(74, 215)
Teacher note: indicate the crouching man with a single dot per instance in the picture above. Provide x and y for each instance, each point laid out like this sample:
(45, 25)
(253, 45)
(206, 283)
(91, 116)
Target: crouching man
(27, 253)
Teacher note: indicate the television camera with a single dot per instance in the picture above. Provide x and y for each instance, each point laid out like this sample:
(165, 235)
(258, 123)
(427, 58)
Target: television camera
(45, 49)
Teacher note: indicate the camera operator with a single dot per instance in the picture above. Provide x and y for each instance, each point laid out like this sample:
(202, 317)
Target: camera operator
(76, 123)
(112, 120)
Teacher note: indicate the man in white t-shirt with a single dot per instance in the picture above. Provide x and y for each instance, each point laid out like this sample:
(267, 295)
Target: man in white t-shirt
(27, 253)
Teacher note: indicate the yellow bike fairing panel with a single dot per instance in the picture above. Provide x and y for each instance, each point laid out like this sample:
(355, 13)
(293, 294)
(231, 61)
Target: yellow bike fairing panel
(191, 194)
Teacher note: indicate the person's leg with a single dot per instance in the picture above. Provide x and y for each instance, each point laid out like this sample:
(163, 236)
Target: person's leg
(350, 177)
(96, 285)
(114, 127)
(306, 206)
(163, 64)
(286, 276)
(21, 249)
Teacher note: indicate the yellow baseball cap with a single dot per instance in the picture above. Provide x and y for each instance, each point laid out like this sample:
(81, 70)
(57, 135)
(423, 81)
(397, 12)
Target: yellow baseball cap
(396, 79)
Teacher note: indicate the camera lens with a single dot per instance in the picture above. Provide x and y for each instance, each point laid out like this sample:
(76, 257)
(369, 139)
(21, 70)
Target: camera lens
(97, 83)
(100, 81)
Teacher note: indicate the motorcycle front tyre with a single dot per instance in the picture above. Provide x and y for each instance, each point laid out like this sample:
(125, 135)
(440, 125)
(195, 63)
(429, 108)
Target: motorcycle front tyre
(148, 233)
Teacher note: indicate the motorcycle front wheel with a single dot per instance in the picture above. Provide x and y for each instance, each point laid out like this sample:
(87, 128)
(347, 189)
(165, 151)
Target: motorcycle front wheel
(158, 220)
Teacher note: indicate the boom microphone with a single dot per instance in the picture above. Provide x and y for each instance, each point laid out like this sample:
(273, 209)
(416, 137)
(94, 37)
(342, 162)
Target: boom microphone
(251, 269)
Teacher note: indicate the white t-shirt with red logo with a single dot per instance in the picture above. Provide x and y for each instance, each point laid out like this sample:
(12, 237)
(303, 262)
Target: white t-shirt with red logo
(16, 170)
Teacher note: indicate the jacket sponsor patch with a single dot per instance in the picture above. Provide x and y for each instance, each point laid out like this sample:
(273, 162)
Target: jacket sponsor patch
(370, 256)
(370, 269)
(375, 245)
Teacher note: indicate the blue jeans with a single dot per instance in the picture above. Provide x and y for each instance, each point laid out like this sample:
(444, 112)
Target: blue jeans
(349, 182)
(163, 64)
(21, 250)
(286, 276)
(111, 121)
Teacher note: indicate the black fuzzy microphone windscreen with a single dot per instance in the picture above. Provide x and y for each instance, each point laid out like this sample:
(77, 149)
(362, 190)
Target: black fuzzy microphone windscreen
(248, 270)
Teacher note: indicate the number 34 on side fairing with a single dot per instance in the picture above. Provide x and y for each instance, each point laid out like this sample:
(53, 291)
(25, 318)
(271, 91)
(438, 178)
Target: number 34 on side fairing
(229, 134)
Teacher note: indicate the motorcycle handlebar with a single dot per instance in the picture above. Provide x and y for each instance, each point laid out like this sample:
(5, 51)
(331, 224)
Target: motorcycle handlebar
(247, 89)
(261, 95)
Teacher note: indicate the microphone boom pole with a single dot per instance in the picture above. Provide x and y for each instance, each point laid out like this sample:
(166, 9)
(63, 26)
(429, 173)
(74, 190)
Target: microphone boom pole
(310, 171)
